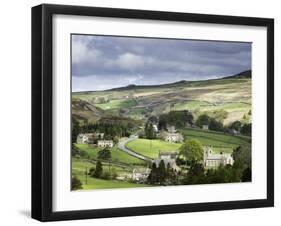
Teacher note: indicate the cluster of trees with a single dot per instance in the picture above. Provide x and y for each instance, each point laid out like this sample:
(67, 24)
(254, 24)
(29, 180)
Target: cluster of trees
(212, 122)
(217, 125)
(162, 175)
(224, 174)
(111, 130)
(176, 118)
(99, 172)
(245, 129)
(149, 131)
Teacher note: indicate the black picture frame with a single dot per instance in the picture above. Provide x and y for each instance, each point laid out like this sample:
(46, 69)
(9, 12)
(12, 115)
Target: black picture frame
(42, 111)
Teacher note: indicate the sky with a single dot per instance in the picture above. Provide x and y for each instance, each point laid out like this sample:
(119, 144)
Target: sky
(106, 62)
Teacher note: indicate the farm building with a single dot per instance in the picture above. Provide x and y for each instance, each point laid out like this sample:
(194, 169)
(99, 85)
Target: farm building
(168, 158)
(105, 143)
(171, 137)
(141, 174)
(88, 138)
(215, 160)
(171, 129)
(205, 127)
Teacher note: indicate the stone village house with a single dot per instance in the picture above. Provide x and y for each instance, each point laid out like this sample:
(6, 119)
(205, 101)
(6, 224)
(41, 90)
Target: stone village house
(171, 135)
(140, 174)
(105, 143)
(88, 138)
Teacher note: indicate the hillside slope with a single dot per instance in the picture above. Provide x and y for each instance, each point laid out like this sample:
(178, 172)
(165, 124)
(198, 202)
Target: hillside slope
(232, 95)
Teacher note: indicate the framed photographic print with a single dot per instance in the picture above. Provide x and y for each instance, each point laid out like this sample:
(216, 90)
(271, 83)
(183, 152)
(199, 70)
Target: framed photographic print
(145, 112)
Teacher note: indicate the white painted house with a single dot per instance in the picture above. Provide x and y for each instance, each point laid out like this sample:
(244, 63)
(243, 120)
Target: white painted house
(105, 143)
(215, 160)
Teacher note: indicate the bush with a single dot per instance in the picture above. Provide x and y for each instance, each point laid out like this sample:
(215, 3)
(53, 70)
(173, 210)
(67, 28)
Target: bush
(105, 175)
(76, 184)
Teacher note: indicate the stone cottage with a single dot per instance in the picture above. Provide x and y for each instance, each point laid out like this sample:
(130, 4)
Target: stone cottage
(105, 143)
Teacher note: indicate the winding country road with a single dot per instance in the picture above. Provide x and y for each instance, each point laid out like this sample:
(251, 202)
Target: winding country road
(122, 147)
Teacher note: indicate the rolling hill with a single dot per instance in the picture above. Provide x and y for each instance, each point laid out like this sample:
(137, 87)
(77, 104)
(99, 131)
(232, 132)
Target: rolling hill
(231, 94)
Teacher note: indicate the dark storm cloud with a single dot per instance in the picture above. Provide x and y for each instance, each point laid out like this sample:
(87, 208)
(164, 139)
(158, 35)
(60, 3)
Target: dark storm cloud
(104, 62)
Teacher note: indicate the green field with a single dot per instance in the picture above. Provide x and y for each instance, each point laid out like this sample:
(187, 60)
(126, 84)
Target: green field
(206, 106)
(116, 154)
(218, 141)
(151, 148)
(117, 104)
(78, 170)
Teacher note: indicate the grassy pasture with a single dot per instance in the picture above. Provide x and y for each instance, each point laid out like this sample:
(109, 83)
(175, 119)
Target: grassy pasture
(116, 154)
(205, 106)
(79, 167)
(117, 104)
(218, 141)
(143, 147)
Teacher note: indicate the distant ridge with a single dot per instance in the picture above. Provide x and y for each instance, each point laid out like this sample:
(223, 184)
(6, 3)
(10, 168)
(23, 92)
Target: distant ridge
(243, 74)
(133, 86)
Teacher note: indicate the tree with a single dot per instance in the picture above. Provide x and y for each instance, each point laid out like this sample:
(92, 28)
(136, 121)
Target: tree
(91, 171)
(215, 125)
(195, 174)
(152, 178)
(161, 172)
(149, 131)
(236, 125)
(246, 129)
(203, 120)
(192, 150)
(75, 183)
(98, 171)
(176, 118)
(247, 175)
(188, 117)
(104, 154)
(75, 130)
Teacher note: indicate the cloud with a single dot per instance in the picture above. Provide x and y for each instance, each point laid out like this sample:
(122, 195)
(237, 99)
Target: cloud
(103, 62)
(83, 53)
(129, 61)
